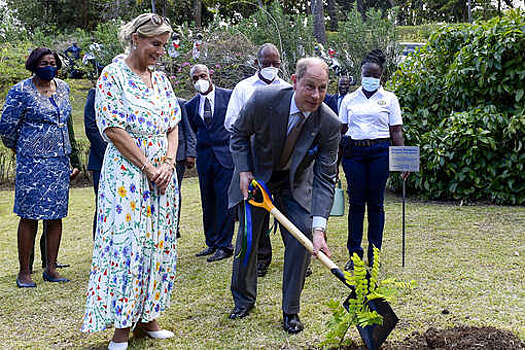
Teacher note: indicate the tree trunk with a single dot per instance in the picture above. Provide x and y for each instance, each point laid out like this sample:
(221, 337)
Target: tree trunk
(318, 14)
(153, 9)
(361, 8)
(332, 12)
(197, 13)
(84, 13)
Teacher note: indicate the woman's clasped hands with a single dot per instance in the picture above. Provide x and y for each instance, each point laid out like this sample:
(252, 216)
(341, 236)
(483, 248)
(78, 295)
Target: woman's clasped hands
(159, 175)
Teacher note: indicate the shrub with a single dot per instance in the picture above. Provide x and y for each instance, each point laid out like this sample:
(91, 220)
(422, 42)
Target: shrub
(291, 33)
(419, 33)
(463, 101)
(7, 164)
(357, 37)
(12, 65)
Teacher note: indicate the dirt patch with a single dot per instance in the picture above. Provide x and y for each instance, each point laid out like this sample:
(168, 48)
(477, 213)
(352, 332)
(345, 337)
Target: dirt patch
(457, 338)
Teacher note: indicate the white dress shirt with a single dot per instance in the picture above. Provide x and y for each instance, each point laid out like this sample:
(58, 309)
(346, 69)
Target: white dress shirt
(293, 118)
(211, 97)
(370, 118)
(242, 93)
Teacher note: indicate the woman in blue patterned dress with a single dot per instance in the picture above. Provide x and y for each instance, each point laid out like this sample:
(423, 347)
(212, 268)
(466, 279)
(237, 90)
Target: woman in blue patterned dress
(134, 253)
(34, 125)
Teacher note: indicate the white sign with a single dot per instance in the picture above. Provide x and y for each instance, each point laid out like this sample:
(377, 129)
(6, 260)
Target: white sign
(404, 158)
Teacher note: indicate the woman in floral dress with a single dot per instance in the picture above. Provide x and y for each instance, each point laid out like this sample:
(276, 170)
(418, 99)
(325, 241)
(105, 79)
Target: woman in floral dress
(34, 125)
(134, 255)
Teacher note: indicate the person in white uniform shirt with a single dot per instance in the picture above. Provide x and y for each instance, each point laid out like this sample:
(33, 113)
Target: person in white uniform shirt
(268, 62)
(372, 121)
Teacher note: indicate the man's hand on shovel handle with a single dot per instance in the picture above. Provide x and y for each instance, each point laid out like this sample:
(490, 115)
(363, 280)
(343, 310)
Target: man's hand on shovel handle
(319, 243)
(246, 178)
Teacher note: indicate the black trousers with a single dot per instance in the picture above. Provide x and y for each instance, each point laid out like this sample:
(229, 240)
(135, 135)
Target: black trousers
(264, 251)
(180, 168)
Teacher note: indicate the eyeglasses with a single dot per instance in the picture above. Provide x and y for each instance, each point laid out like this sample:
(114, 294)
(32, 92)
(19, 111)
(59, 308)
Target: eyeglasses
(156, 20)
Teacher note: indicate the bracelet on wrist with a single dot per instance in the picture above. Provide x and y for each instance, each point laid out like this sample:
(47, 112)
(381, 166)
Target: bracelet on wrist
(144, 165)
(170, 164)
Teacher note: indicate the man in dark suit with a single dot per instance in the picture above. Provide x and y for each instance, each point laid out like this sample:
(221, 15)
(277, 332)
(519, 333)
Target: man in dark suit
(343, 86)
(97, 147)
(186, 152)
(206, 113)
(295, 140)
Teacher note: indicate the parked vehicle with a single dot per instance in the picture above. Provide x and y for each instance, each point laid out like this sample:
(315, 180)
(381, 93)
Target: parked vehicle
(408, 48)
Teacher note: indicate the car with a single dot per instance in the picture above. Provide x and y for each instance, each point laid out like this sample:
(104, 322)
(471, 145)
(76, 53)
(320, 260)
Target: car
(408, 48)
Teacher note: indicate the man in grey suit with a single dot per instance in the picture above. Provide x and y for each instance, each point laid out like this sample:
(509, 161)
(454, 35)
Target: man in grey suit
(295, 142)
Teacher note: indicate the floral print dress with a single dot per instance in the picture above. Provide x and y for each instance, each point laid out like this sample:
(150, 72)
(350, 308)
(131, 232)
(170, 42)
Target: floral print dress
(35, 127)
(134, 255)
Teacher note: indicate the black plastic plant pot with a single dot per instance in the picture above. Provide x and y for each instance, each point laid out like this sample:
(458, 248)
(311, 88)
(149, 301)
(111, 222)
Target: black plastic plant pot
(374, 336)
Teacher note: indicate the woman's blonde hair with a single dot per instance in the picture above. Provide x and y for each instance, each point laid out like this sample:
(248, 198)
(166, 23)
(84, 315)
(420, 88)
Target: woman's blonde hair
(146, 26)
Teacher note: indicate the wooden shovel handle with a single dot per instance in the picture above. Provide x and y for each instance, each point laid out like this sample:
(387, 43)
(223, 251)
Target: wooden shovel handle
(302, 238)
(267, 204)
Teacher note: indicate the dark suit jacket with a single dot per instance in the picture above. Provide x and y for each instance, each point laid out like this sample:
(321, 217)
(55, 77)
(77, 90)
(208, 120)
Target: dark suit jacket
(216, 137)
(264, 120)
(331, 101)
(187, 139)
(98, 145)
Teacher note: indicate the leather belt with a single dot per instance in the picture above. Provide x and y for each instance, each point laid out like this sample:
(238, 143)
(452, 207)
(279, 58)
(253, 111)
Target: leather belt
(367, 142)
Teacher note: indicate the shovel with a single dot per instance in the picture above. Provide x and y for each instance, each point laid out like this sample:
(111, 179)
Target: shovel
(373, 336)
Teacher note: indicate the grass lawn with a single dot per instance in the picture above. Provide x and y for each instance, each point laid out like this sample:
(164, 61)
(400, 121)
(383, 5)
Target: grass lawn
(79, 90)
(468, 260)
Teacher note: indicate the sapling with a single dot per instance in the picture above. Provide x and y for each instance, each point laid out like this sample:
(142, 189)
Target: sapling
(367, 287)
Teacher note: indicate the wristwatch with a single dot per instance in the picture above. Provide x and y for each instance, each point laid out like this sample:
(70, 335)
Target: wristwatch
(319, 228)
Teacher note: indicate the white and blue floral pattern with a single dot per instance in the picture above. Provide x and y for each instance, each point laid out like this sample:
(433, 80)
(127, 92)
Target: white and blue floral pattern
(35, 127)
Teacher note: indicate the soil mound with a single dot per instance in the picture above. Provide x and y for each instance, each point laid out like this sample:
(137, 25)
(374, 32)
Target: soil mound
(457, 338)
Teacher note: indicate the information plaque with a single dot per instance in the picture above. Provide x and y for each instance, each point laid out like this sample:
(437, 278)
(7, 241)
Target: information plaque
(404, 158)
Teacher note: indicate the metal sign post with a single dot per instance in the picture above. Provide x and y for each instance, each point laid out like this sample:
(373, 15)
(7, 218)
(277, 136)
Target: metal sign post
(404, 159)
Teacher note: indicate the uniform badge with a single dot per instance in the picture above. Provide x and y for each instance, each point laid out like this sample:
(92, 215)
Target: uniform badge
(381, 102)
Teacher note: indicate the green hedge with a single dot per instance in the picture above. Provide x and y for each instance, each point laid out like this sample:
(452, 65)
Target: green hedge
(419, 33)
(463, 102)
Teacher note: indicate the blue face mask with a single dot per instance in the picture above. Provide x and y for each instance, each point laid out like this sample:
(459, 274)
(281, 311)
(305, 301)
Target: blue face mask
(46, 73)
(370, 84)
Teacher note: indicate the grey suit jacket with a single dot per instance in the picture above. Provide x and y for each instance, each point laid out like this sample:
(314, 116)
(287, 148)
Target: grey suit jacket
(264, 120)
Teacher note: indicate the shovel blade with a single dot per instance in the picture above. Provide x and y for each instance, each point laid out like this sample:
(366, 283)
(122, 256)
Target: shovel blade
(373, 336)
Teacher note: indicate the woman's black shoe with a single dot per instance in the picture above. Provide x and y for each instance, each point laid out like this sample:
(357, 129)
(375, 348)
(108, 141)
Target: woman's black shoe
(47, 277)
(20, 284)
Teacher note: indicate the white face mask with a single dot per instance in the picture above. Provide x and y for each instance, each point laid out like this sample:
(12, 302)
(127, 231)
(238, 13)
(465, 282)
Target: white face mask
(202, 85)
(370, 84)
(269, 73)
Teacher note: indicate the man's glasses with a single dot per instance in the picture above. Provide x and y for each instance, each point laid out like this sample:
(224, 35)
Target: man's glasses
(156, 20)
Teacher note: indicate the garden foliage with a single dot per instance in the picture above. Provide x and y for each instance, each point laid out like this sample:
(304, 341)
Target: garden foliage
(463, 102)
(357, 37)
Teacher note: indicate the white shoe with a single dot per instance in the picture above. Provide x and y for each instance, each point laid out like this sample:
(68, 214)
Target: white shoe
(117, 346)
(162, 334)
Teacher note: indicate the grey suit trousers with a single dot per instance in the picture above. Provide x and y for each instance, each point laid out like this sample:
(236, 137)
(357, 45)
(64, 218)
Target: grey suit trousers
(296, 257)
